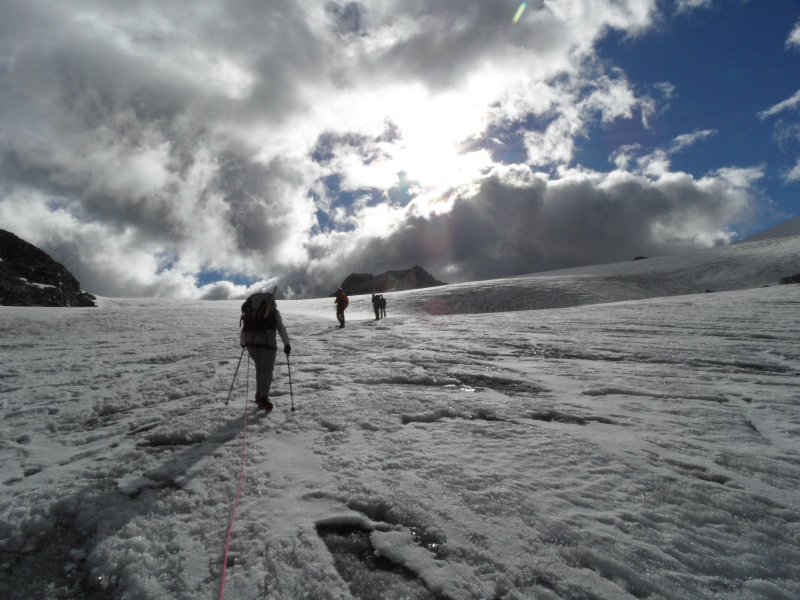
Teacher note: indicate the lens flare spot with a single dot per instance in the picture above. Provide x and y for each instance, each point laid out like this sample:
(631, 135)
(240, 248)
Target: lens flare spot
(436, 238)
(520, 10)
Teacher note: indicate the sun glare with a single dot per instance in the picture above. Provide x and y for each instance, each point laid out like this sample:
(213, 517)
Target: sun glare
(432, 162)
(428, 150)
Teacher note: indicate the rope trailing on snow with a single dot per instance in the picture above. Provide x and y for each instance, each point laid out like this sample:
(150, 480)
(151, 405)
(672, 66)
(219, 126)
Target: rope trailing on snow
(238, 489)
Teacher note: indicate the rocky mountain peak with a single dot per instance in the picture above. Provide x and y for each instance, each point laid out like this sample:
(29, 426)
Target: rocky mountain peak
(30, 277)
(391, 281)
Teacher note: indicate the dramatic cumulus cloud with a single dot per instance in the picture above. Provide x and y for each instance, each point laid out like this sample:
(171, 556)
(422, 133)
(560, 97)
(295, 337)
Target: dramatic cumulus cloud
(202, 148)
(515, 217)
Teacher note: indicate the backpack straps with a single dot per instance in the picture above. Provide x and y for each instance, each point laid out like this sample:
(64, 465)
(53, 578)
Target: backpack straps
(245, 310)
(262, 310)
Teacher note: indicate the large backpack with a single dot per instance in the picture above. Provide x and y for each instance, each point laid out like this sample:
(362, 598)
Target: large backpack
(258, 313)
(341, 298)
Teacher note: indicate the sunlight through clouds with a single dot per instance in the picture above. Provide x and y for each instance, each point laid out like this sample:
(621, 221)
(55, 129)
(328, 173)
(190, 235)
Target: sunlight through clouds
(300, 142)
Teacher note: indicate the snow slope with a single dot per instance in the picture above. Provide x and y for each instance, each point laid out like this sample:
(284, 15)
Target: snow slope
(643, 448)
(787, 228)
(732, 267)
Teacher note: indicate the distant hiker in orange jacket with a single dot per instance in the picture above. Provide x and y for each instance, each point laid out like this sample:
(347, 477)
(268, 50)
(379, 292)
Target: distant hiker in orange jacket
(341, 301)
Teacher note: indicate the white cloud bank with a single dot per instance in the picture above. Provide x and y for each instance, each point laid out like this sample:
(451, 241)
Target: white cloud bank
(147, 146)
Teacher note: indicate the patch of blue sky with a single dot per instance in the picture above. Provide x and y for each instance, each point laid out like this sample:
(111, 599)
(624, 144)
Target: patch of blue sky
(404, 191)
(506, 142)
(205, 277)
(65, 204)
(727, 64)
(165, 261)
(329, 216)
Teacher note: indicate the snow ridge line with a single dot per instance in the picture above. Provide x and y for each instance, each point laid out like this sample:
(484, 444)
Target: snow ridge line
(238, 489)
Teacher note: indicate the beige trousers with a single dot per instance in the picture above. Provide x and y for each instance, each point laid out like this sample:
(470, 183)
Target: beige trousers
(264, 359)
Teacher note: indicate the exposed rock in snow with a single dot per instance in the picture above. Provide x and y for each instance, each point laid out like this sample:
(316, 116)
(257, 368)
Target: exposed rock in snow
(30, 277)
(414, 278)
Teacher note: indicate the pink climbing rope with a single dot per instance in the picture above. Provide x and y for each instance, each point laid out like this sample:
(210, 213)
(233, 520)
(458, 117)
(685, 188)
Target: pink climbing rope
(238, 489)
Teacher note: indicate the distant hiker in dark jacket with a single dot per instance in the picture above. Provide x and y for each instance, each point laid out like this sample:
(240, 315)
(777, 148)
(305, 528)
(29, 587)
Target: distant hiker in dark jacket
(376, 305)
(341, 301)
(260, 322)
(382, 304)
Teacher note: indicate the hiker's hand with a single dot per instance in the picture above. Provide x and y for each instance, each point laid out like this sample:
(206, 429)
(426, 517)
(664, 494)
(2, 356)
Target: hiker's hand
(287, 349)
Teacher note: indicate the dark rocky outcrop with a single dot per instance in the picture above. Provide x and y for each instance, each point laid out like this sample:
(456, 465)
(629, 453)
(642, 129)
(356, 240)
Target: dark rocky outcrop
(790, 279)
(392, 281)
(29, 277)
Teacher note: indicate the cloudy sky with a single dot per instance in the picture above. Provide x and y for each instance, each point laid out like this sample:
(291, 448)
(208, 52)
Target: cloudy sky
(200, 149)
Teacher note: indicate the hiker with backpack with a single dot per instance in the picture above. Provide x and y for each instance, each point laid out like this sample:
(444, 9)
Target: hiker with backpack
(261, 322)
(341, 301)
(382, 305)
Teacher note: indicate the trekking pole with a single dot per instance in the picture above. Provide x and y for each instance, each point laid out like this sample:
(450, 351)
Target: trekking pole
(234, 377)
(291, 393)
